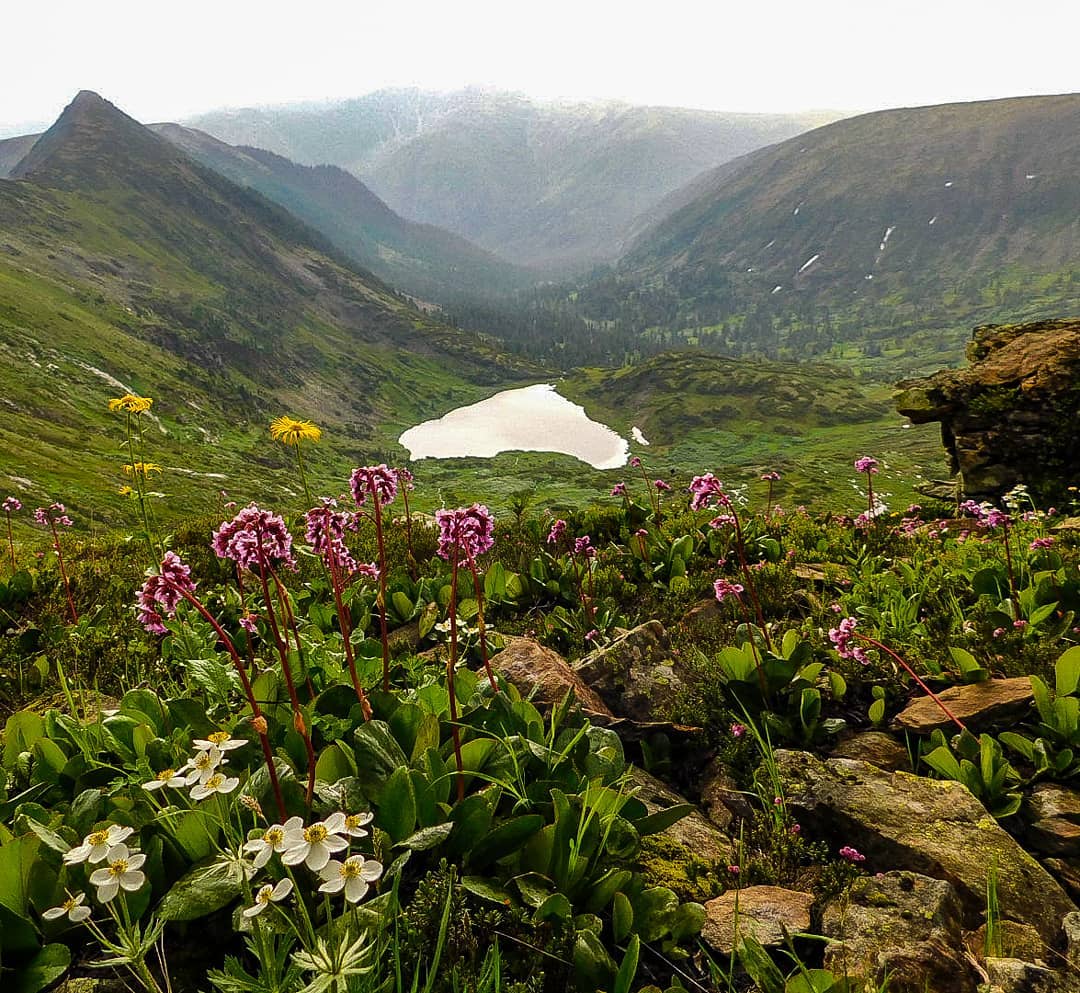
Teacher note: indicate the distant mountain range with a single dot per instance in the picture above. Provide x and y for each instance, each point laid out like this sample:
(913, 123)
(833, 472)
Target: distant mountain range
(872, 227)
(126, 265)
(548, 185)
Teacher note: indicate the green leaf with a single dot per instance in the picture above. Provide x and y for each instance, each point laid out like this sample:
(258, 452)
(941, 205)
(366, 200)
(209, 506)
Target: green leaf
(486, 890)
(506, 838)
(628, 968)
(397, 805)
(814, 981)
(654, 912)
(145, 706)
(622, 917)
(335, 763)
(402, 605)
(427, 837)
(661, 820)
(202, 891)
(44, 969)
(21, 730)
(593, 966)
(428, 617)
(555, 908)
(877, 712)
(1067, 671)
(759, 966)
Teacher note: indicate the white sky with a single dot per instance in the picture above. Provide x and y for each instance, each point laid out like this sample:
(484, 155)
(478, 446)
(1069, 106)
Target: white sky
(164, 61)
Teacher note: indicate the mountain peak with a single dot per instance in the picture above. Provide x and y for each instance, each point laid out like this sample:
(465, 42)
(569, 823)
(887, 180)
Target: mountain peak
(91, 143)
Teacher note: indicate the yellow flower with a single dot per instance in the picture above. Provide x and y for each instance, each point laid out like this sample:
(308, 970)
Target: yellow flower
(143, 469)
(131, 403)
(289, 431)
(125, 491)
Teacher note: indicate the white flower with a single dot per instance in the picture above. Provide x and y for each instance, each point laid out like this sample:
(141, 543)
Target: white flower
(353, 876)
(72, 907)
(217, 783)
(221, 740)
(202, 765)
(167, 777)
(355, 823)
(273, 840)
(120, 872)
(315, 844)
(96, 845)
(268, 893)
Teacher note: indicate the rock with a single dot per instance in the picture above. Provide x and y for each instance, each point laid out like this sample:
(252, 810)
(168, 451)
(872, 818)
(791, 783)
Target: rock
(979, 705)
(875, 747)
(694, 833)
(1016, 976)
(406, 637)
(530, 666)
(704, 611)
(1066, 872)
(1071, 928)
(933, 827)
(634, 675)
(1017, 941)
(762, 912)
(721, 799)
(1009, 416)
(1053, 815)
(901, 925)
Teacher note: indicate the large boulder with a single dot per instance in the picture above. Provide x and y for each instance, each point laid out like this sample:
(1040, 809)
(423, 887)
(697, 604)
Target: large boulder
(636, 675)
(980, 706)
(1053, 813)
(767, 913)
(534, 669)
(875, 747)
(932, 827)
(901, 925)
(1010, 416)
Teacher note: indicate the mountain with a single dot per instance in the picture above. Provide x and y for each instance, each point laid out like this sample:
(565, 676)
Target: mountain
(126, 265)
(541, 184)
(927, 219)
(421, 259)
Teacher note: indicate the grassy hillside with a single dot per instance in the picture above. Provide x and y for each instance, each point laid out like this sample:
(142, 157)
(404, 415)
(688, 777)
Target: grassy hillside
(125, 265)
(553, 185)
(867, 230)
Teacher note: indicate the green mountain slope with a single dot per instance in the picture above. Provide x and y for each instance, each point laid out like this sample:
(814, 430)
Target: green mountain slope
(929, 218)
(126, 265)
(419, 258)
(553, 185)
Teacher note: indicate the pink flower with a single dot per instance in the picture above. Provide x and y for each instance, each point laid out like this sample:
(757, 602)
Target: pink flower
(163, 589)
(635, 462)
(379, 481)
(866, 464)
(843, 636)
(619, 489)
(406, 480)
(704, 489)
(724, 589)
(469, 530)
(734, 870)
(770, 477)
(55, 515)
(836, 608)
(994, 518)
(796, 829)
(254, 538)
(738, 730)
(325, 532)
(662, 486)
(1041, 543)
(851, 854)
(724, 520)
(641, 533)
(558, 529)
(247, 622)
(1020, 624)
(998, 632)
(11, 505)
(583, 546)
(592, 635)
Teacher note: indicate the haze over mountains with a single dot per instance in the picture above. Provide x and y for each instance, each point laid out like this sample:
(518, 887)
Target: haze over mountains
(553, 186)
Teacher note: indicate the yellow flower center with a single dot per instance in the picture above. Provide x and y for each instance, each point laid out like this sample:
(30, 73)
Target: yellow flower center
(218, 737)
(165, 775)
(315, 833)
(70, 903)
(203, 760)
(118, 868)
(263, 896)
(98, 838)
(215, 781)
(274, 836)
(352, 821)
(350, 869)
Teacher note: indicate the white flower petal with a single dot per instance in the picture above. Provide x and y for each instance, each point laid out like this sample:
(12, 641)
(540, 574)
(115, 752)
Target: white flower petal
(281, 890)
(54, 912)
(107, 891)
(79, 914)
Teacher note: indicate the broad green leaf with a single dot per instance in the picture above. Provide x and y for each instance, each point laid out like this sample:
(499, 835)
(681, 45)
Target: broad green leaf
(396, 809)
(427, 837)
(202, 891)
(1067, 671)
(622, 917)
(628, 968)
(661, 820)
(508, 837)
(486, 889)
(21, 730)
(50, 963)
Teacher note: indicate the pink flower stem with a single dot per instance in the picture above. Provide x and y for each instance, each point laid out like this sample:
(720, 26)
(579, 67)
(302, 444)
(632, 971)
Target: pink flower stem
(63, 571)
(11, 541)
(1009, 569)
(749, 580)
(256, 711)
(413, 572)
(480, 625)
(451, 667)
(344, 623)
(914, 675)
(382, 592)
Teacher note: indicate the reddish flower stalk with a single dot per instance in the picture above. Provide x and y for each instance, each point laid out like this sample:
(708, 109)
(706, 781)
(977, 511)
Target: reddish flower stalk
(479, 592)
(405, 483)
(45, 515)
(258, 719)
(451, 668)
(381, 484)
(748, 579)
(345, 624)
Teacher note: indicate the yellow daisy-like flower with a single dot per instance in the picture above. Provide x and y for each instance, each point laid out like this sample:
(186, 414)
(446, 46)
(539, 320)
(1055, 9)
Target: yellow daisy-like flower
(131, 403)
(125, 491)
(144, 469)
(290, 431)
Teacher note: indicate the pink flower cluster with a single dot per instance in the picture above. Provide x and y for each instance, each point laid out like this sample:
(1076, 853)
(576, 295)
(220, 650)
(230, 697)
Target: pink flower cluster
(469, 530)
(619, 489)
(724, 589)
(162, 592)
(1041, 543)
(852, 854)
(583, 546)
(558, 529)
(770, 477)
(843, 637)
(325, 532)
(53, 515)
(705, 489)
(11, 505)
(866, 464)
(254, 538)
(379, 481)
(405, 479)
(662, 486)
